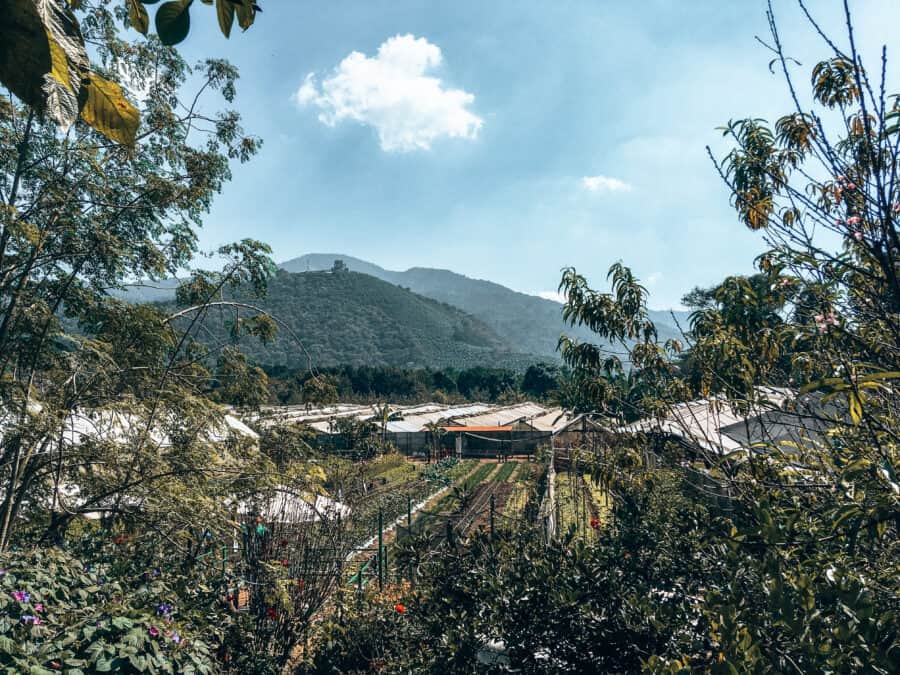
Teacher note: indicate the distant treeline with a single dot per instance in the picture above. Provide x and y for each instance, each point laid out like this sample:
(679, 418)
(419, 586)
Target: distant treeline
(411, 385)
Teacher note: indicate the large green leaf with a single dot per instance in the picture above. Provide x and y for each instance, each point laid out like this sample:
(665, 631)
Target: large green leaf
(42, 56)
(225, 11)
(108, 111)
(137, 15)
(173, 21)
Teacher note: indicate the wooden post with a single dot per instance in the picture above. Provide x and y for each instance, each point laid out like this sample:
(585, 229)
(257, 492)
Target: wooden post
(380, 548)
(492, 516)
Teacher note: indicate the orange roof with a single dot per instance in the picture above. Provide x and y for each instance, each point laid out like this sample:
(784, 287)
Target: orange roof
(477, 428)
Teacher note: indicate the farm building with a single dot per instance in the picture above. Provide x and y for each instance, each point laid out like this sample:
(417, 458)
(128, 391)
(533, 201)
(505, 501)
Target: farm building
(475, 429)
(778, 419)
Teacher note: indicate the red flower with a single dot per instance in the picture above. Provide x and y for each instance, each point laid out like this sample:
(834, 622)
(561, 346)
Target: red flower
(271, 613)
(284, 542)
(595, 524)
(229, 597)
(627, 555)
(400, 608)
(55, 665)
(284, 563)
(117, 541)
(301, 584)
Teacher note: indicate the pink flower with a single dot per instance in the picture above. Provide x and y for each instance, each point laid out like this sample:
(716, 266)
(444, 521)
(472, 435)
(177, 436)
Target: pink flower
(21, 596)
(841, 179)
(896, 208)
(853, 220)
(858, 236)
(851, 186)
(39, 607)
(154, 631)
(784, 282)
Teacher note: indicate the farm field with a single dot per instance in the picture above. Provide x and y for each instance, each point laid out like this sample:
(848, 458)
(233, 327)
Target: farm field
(579, 502)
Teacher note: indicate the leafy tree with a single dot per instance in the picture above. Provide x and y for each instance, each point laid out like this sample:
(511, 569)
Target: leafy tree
(540, 380)
(44, 61)
(81, 216)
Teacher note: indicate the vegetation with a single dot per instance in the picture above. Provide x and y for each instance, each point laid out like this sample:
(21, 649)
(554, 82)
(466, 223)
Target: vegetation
(777, 558)
(526, 323)
(370, 384)
(350, 318)
(143, 531)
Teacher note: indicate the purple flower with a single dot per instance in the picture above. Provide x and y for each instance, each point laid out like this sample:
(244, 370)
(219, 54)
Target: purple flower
(30, 617)
(176, 638)
(164, 609)
(21, 596)
(2, 573)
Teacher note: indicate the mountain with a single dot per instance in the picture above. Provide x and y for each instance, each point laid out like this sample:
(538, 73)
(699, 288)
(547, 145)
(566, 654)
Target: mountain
(527, 323)
(354, 318)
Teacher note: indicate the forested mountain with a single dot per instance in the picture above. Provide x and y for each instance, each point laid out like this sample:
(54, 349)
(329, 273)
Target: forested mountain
(526, 322)
(351, 318)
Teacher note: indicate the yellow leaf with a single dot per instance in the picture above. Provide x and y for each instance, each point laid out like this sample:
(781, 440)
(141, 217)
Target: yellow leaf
(59, 64)
(108, 111)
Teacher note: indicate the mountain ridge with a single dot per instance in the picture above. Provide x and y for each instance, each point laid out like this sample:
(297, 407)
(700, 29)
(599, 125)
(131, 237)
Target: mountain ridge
(528, 323)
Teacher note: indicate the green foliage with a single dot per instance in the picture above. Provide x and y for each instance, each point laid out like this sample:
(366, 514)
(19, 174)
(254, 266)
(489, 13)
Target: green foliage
(78, 217)
(79, 617)
(527, 323)
(351, 318)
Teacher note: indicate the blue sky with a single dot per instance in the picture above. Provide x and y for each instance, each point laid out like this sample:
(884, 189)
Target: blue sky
(506, 140)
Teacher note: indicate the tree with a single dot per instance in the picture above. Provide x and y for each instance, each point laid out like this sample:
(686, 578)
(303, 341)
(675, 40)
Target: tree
(44, 61)
(80, 217)
(318, 391)
(540, 379)
(339, 266)
(811, 521)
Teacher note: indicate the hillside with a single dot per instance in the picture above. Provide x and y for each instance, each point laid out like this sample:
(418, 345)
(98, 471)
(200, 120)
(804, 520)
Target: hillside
(526, 322)
(356, 319)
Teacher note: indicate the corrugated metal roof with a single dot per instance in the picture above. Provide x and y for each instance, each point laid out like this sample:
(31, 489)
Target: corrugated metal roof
(506, 415)
(553, 420)
(702, 421)
(478, 429)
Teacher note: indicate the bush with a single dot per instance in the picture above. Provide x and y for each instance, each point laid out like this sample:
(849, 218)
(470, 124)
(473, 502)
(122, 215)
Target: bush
(60, 614)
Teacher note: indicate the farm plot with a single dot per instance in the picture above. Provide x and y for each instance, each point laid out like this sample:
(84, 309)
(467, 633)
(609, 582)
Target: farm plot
(579, 502)
(523, 482)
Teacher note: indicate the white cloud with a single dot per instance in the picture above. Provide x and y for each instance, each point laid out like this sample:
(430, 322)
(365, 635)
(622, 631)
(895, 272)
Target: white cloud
(555, 296)
(394, 93)
(653, 278)
(604, 184)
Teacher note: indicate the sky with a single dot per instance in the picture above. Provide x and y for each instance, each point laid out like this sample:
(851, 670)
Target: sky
(506, 140)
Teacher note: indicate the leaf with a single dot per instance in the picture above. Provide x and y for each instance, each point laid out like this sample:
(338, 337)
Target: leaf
(122, 622)
(856, 410)
(138, 16)
(246, 13)
(108, 111)
(42, 56)
(173, 21)
(225, 12)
